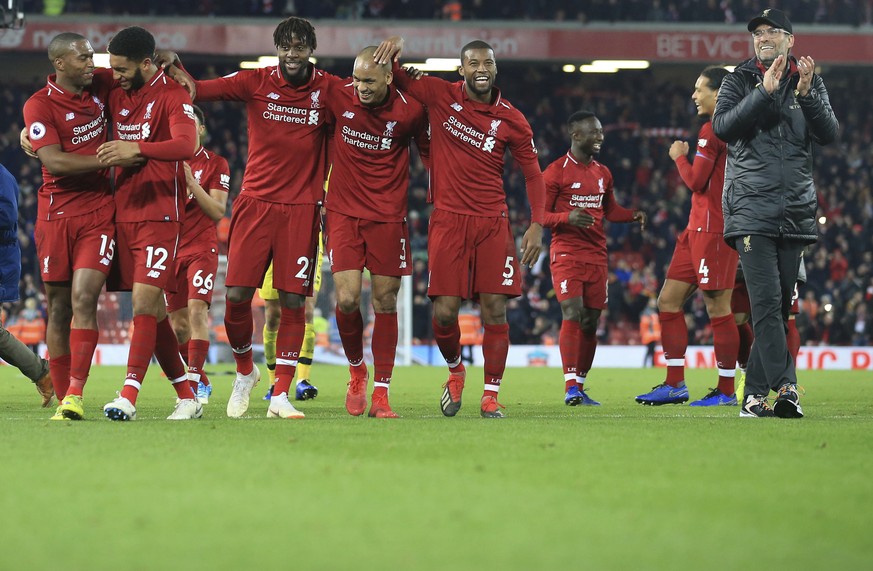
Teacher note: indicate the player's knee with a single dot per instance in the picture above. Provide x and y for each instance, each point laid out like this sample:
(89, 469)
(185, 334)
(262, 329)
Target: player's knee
(589, 320)
(386, 303)
(348, 303)
(571, 313)
(60, 312)
(85, 303)
(444, 316)
(182, 332)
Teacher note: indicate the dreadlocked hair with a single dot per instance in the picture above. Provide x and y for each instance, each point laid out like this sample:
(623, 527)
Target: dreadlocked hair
(296, 27)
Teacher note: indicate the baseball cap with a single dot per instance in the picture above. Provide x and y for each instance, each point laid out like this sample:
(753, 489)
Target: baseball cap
(772, 16)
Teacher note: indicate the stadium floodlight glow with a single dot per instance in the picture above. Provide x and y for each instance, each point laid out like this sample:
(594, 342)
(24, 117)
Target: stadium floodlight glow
(436, 64)
(589, 68)
(101, 60)
(569, 68)
(622, 63)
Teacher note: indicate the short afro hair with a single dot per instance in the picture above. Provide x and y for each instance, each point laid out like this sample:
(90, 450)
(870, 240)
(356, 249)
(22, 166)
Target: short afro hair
(134, 43)
(475, 45)
(579, 116)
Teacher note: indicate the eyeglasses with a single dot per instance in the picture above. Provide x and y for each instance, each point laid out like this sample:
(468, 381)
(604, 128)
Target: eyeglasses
(769, 33)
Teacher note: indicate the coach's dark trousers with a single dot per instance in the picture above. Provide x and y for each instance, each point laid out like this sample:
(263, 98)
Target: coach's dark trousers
(18, 354)
(770, 267)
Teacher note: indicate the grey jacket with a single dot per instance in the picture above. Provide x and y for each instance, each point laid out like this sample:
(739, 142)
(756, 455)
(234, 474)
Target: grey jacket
(768, 188)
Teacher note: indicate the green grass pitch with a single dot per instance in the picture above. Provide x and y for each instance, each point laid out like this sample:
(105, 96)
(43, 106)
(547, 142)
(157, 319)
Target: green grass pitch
(621, 486)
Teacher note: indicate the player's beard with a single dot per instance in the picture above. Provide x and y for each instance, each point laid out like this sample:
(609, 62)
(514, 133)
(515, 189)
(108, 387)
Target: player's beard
(137, 80)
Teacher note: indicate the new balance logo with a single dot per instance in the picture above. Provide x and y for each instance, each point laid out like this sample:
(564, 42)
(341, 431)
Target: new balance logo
(124, 112)
(153, 274)
(576, 185)
(457, 107)
(507, 282)
(70, 116)
(273, 96)
(203, 291)
(349, 115)
(105, 262)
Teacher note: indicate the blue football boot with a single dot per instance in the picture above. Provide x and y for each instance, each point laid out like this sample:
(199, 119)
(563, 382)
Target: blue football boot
(664, 394)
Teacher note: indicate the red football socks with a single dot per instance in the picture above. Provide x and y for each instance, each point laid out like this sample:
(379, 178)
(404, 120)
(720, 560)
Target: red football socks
(674, 338)
(292, 325)
(167, 351)
(448, 339)
(587, 349)
(351, 332)
(60, 370)
(83, 342)
(198, 349)
(568, 342)
(726, 342)
(495, 347)
(239, 327)
(142, 347)
(793, 339)
(384, 346)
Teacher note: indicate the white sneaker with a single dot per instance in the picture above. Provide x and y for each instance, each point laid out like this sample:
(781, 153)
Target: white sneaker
(238, 403)
(281, 407)
(187, 409)
(120, 409)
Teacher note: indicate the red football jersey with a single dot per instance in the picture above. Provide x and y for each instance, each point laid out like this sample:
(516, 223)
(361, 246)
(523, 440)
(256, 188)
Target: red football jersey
(286, 131)
(705, 178)
(199, 231)
(369, 154)
(468, 142)
(571, 184)
(156, 190)
(77, 123)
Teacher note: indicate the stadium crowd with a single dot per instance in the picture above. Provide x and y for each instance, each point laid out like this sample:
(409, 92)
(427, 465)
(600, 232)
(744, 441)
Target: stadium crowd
(852, 12)
(836, 302)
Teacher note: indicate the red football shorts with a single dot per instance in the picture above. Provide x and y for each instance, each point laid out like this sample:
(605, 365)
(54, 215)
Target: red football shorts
(704, 259)
(195, 279)
(65, 245)
(740, 299)
(145, 254)
(261, 232)
(355, 243)
(469, 255)
(573, 278)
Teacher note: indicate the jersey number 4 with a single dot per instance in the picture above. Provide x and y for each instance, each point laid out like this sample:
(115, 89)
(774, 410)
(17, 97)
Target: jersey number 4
(703, 271)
